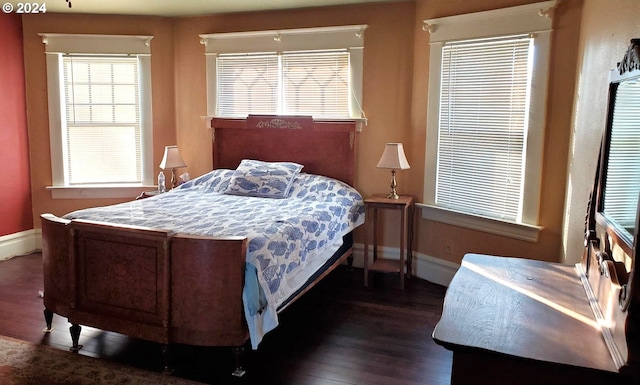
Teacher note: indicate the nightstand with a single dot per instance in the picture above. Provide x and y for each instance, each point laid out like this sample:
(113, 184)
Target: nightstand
(404, 204)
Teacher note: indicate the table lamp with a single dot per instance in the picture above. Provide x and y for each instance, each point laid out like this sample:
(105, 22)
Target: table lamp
(393, 157)
(172, 160)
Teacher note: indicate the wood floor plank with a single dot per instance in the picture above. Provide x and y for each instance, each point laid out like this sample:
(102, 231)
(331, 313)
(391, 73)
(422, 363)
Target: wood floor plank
(339, 333)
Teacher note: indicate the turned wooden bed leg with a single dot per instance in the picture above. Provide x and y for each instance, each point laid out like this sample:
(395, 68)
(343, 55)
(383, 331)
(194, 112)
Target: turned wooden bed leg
(238, 358)
(48, 319)
(75, 330)
(166, 355)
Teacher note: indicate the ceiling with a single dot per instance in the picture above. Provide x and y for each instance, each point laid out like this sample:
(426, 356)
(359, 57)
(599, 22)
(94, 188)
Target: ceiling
(181, 7)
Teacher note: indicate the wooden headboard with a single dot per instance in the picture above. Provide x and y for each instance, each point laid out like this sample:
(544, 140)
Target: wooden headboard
(323, 147)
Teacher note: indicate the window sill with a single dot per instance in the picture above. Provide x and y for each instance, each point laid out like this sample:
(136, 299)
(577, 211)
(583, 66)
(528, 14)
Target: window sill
(520, 231)
(95, 191)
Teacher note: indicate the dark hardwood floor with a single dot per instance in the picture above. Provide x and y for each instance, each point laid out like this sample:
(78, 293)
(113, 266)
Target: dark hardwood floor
(338, 333)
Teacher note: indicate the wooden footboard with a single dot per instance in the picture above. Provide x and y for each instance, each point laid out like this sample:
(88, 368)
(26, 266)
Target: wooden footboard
(145, 283)
(55, 262)
(207, 278)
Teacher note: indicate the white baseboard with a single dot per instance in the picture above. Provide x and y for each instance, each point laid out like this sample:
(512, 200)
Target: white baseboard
(21, 243)
(426, 267)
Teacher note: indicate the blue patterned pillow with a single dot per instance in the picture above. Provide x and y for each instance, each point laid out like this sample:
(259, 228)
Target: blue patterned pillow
(263, 179)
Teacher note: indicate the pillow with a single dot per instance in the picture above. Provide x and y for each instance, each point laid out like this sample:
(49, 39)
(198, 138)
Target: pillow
(263, 179)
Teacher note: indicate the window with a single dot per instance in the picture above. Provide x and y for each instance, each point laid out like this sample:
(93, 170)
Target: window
(99, 114)
(313, 71)
(483, 121)
(248, 84)
(488, 76)
(291, 83)
(102, 120)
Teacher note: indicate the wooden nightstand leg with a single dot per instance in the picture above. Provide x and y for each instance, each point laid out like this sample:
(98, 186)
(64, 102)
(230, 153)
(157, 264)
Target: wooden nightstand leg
(403, 226)
(410, 242)
(366, 248)
(374, 244)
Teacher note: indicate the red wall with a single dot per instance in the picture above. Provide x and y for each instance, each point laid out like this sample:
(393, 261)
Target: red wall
(15, 181)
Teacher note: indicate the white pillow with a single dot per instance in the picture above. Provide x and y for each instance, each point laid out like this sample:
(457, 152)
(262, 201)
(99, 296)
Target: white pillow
(263, 179)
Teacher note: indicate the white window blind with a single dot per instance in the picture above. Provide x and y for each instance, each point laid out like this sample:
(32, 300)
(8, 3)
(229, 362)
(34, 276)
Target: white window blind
(483, 119)
(293, 83)
(623, 171)
(316, 84)
(102, 136)
(248, 83)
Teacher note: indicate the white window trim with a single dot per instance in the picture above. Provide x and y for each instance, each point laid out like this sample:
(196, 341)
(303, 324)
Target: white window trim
(520, 231)
(55, 46)
(350, 37)
(534, 19)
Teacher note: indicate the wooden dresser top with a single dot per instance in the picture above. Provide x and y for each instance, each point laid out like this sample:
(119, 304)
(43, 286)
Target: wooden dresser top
(525, 308)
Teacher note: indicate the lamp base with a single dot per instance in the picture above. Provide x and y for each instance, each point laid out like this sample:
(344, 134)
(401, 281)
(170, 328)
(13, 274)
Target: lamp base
(174, 180)
(393, 194)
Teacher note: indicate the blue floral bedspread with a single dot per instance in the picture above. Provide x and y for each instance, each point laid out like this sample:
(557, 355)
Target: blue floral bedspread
(288, 238)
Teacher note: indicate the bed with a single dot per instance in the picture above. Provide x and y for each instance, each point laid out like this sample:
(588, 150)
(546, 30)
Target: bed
(190, 266)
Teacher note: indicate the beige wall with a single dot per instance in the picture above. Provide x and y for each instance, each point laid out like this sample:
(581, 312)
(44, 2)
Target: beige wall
(395, 98)
(607, 28)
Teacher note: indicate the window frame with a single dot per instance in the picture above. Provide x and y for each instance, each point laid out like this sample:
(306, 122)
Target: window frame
(534, 19)
(55, 46)
(350, 37)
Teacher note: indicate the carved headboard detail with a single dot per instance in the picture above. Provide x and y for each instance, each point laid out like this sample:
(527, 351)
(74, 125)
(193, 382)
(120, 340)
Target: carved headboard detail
(631, 60)
(261, 122)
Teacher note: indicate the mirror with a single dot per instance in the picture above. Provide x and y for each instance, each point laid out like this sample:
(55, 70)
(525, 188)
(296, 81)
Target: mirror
(620, 184)
(622, 179)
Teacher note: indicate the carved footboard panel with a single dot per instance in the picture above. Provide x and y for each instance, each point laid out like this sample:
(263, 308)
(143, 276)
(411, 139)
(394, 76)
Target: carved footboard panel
(145, 283)
(120, 279)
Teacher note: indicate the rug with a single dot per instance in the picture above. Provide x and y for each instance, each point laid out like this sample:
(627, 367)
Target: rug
(23, 363)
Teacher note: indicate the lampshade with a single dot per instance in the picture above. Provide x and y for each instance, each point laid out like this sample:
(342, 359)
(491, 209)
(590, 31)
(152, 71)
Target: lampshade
(172, 158)
(393, 157)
